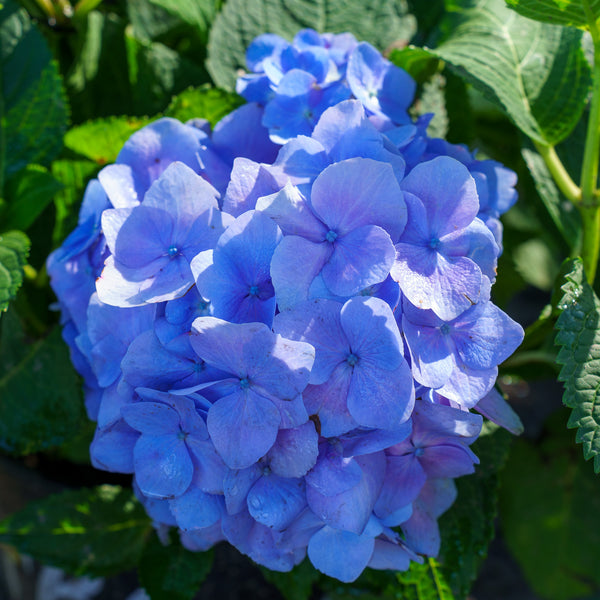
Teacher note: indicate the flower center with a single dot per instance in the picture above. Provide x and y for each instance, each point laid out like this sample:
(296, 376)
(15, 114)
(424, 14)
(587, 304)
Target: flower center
(244, 383)
(331, 236)
(445, 329)
(253, 290)
(352, 359)
(173, 251)
(434, 243)
(419, 451)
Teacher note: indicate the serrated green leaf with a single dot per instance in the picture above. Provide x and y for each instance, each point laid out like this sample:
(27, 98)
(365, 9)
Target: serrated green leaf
(14, 247)
(97, 532)
(563, 213)
(425, 582)
(171, 572)
(156, 73)
(28, 193)
(41, 397)
(33, 111)
(432, 100)
(198, 13)
(536, 72)
(240, 21)
(467, 528)
(578, 334)
(558, 12)
(102, 139)
(203, 102)
(550, 514)
(419, 63)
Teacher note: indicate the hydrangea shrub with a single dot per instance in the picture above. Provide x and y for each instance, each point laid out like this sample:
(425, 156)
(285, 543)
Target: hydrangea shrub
(284, 325)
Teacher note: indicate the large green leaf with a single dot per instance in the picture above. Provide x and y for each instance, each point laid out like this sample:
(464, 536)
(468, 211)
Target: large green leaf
(425, 582)
(156, 73)
(578, 334)
(40, 396)
(563, 213)
(558, 12)
(171, 572)
(28, 193)
(14, 247)
(204, 102)
(102, 139)
(198, 13)
(96, 532)
(467, 528)
(550, 514)
(240, 21)
(33, 112)
(534, 71)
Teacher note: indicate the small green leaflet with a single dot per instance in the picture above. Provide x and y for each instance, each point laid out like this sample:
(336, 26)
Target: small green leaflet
(536, 72)
(204, 102)
(96, 532)
(14, 248)
(558, 12)
(578, 334)
(419, 63)
(171, 572)
(240, 21)
(424, 582)
(550, 509)
(102, 139)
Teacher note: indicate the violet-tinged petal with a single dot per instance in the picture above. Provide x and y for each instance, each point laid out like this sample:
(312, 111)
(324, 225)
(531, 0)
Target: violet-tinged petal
(112, 448)
(209, 468)
(296, 262)
(389, 555)
(163, 466)
(340, 554)
(151, 418)
(121, 186)
(327, 403)
(404, 478)
(495, 408)
(195, 509)
(290, 210)
(467, 386)
(249, 181)
(368, 441)
(333, 473)
(236, 486)
(448, 460)
(448, 286)
(447, 191)
(295, 451)
(243, 426)
(276, 501)
(357, 192)
(293, 412)
(360, 258)
(318, 323)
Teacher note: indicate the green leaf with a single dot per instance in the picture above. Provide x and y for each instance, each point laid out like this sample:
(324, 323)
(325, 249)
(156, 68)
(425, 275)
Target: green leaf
(536, 263)
(432, 100)
(240, 21)
(536, 72)
(28, 193)
(14, 248)
(102, 139)
(97, 532)
(171, 572)
(98, 80)
(156, 73)
(563, 213)
(467, 528)
(578, 334)
(558, 12)
(33, 111)
(203, 102)
(296, 584)
(198, 13)
(550, 514)
(419, 63)
(425, 582)
(53, 410)
(74, 175)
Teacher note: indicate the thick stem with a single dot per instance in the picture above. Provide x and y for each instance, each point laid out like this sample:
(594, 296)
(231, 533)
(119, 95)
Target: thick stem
(563, 180)
(590, 210)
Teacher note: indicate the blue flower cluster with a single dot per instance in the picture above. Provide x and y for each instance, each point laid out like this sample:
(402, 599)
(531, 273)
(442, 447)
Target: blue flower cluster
(283, 325)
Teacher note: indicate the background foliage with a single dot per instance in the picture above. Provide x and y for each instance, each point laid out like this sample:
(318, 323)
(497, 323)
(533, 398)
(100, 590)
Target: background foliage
(511, 79)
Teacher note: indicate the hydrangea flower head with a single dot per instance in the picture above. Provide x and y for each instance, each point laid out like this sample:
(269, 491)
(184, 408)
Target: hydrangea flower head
(284, 325)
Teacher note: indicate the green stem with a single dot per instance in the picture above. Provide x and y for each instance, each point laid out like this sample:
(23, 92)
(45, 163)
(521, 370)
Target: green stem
(590, 208)
(563, 180)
